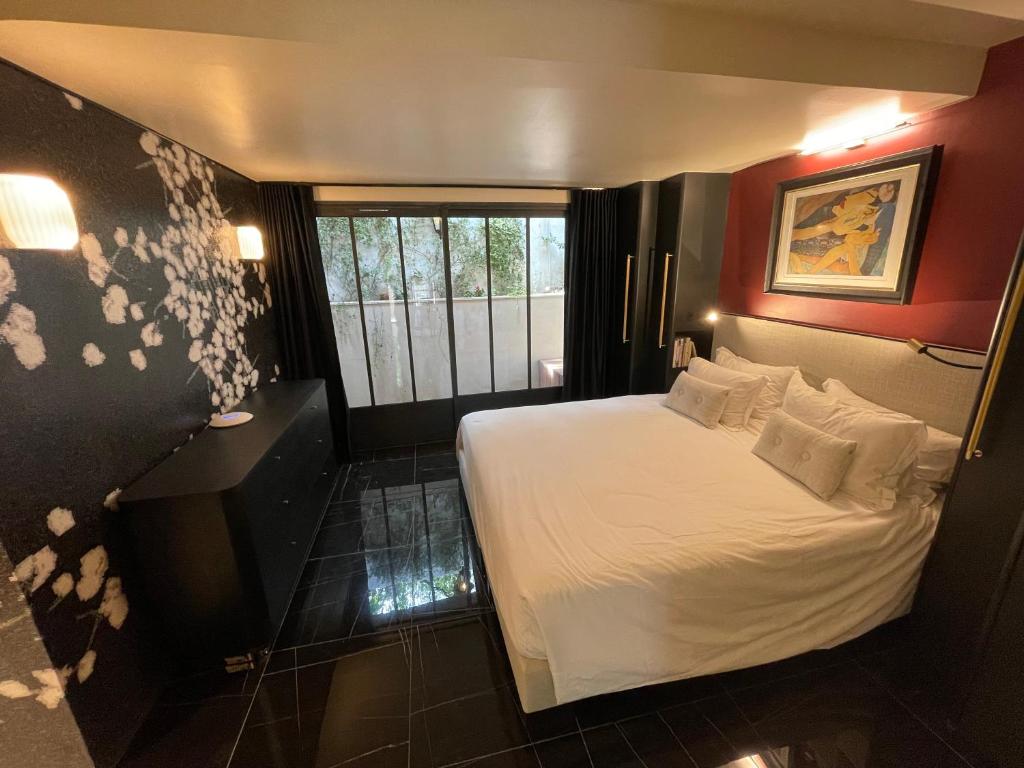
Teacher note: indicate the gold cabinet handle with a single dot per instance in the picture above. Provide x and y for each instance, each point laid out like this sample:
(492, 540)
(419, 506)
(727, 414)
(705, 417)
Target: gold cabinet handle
(998, 357)
(664, 294)
(625, 301)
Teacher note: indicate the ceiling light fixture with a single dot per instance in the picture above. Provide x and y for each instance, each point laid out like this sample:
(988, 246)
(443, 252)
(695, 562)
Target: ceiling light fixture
(250, 243)
(854, 133)
(36, 214)
(711, 316)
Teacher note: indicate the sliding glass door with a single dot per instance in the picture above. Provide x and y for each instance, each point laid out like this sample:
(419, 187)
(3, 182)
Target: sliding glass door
(344, 295)
(467, 243)
(547, 300)
(509, 305)
(432, 303)
(385, 319)
(427, 304)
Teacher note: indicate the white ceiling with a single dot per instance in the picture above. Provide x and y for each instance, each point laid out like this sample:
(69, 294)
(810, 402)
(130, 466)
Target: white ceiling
(982, 25)
(534, 92)
(1010, 9)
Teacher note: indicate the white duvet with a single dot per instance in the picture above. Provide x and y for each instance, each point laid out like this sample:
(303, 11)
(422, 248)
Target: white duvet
(628, 545)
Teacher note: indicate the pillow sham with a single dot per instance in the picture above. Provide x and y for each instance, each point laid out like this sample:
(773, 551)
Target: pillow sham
(808, 455)
(937, 458)
(777, 378)
(743, 390)
(938, 455)
(887, 444)
(703, 401)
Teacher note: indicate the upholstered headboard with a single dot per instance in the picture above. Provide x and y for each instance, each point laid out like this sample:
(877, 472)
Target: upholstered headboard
(885, 371)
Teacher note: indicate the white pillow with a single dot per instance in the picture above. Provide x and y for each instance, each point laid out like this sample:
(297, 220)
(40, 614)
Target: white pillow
(774, 390)
(744, 389)
(938, 455)
(703, 401)
(887, 444)
(808, 455)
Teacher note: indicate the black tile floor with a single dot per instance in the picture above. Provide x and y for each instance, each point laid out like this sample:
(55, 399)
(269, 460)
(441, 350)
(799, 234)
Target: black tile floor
(391, 655)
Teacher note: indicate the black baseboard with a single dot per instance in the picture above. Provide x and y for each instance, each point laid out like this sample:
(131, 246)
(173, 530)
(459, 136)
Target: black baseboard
(385, 426)
(490, 400)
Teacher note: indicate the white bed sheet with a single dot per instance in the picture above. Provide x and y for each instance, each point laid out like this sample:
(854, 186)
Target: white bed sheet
(628, 545)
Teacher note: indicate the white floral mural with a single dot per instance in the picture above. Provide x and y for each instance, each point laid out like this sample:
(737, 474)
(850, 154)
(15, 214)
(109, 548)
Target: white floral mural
(196, 252)
(205, 301)
(155, 310)
(206, 297)
(86, 584)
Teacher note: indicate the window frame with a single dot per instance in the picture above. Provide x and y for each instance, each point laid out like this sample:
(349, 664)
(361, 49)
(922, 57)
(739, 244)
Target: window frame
(444, 211)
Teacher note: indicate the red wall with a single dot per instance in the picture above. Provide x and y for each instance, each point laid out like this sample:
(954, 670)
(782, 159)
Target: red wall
(972, 236)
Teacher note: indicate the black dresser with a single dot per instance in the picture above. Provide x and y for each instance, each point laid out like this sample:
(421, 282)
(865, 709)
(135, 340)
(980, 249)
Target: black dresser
(221, 529)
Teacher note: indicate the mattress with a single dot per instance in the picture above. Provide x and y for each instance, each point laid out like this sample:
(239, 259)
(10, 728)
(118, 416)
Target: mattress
(628, 545)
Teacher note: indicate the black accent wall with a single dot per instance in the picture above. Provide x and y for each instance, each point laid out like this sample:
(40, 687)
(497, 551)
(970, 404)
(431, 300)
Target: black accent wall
(111, 355)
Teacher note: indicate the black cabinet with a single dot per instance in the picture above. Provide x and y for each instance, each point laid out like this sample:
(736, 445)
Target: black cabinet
(672, 236)
(968, 615)
(993, 712)
(221, 529)
(690, 242)
(637, 221)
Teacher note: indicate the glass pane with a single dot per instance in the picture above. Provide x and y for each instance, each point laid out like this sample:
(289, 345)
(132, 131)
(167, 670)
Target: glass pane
(508, 302)
(336, 247)
(547, 300)
(428, 310)
(467, 246)
(380, 274)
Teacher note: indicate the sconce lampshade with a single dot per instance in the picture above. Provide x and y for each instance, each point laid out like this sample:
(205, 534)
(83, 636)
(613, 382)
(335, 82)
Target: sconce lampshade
(36, 214)
(250, 243)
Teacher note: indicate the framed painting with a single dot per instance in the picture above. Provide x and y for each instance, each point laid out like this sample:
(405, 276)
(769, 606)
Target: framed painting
(853, 232)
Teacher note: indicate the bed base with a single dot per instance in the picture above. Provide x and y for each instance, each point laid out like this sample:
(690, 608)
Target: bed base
(532, 676)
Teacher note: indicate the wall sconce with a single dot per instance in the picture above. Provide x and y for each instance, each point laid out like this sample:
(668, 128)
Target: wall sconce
(711, 316)
(250, 243)
(35, 214)
(923, 349)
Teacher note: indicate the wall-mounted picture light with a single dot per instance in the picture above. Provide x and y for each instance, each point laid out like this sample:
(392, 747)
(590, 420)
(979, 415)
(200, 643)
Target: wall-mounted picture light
(854, 130)
(923, 349)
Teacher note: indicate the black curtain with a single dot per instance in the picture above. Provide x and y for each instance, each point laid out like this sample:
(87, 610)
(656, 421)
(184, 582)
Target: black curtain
(301, 308)
(591, 238)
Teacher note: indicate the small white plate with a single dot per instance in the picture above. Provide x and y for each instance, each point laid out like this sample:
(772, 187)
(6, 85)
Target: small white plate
(232, 419)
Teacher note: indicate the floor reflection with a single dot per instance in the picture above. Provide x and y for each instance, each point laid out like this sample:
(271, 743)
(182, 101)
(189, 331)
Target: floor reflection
(392, 556)
(417, 549)
(775, 759)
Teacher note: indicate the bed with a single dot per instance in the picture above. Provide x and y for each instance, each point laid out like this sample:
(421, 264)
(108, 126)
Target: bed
(627, 545)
